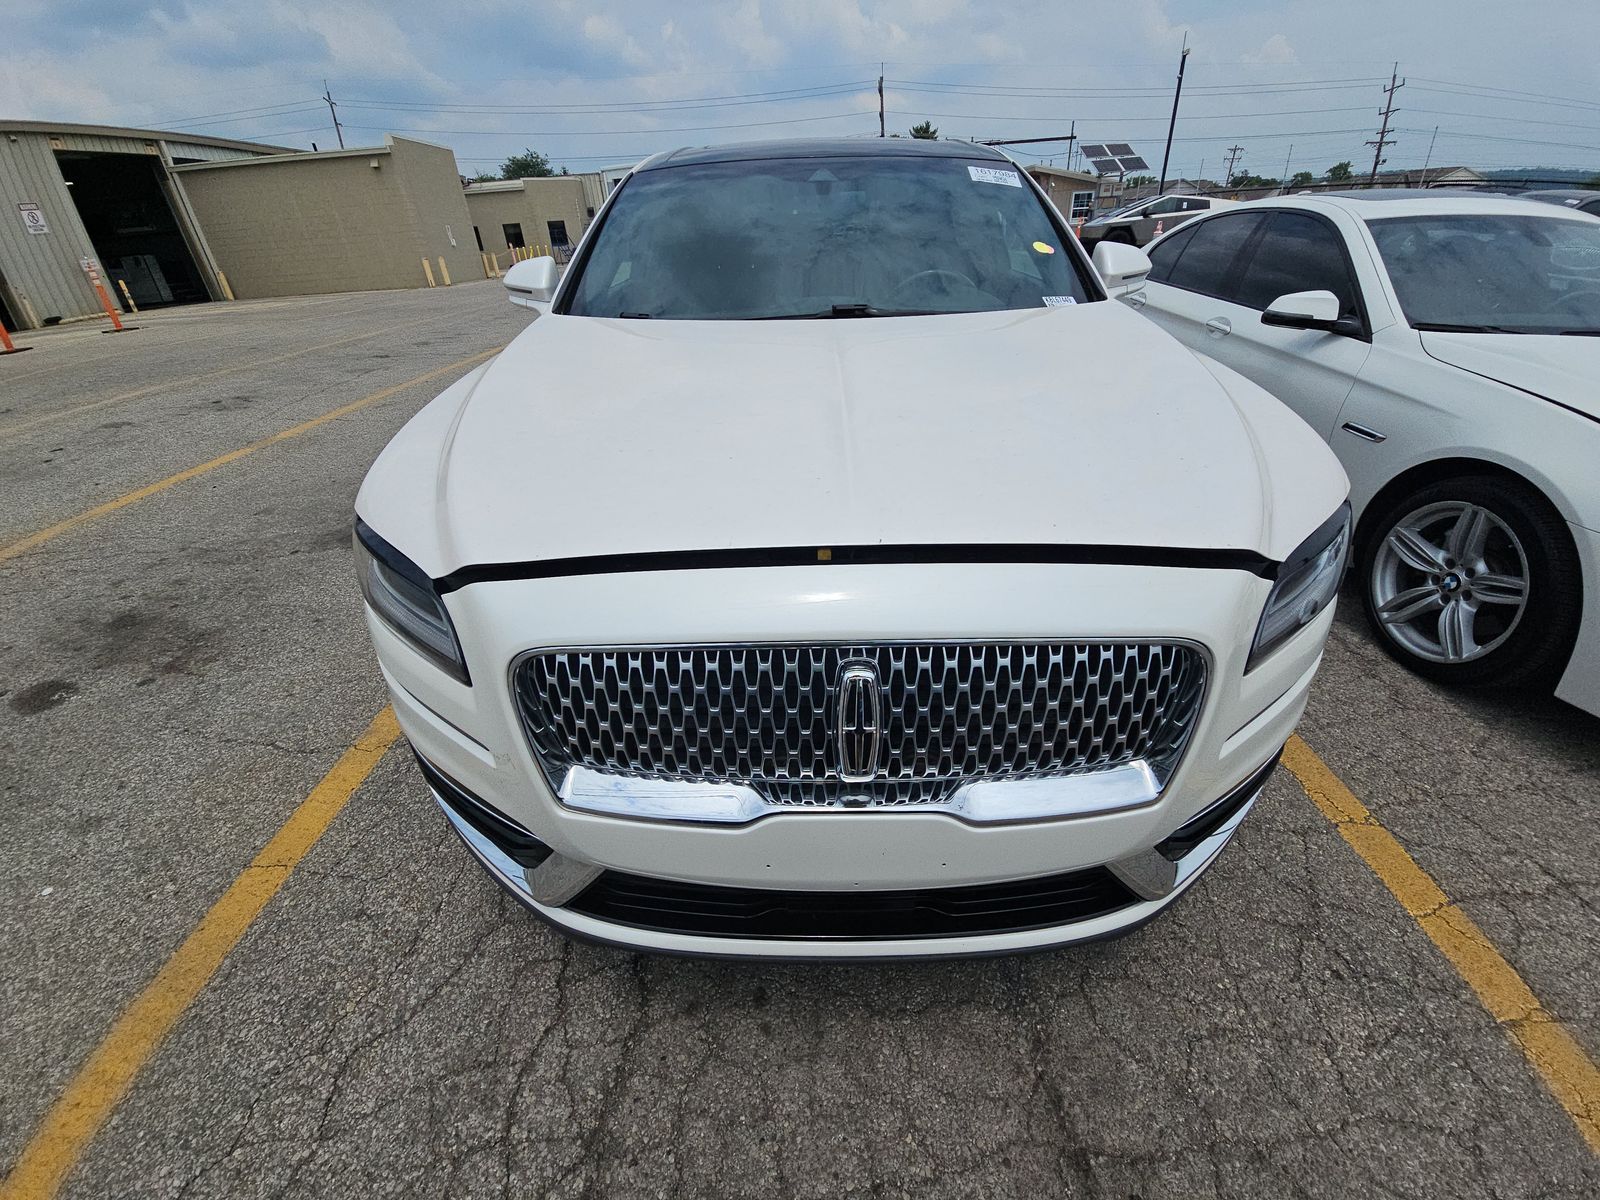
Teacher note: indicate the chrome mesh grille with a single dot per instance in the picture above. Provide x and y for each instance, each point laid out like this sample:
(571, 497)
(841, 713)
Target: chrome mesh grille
(952, 713)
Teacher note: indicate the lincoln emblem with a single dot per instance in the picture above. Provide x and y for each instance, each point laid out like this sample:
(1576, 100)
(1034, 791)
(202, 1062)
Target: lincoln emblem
(860, 730)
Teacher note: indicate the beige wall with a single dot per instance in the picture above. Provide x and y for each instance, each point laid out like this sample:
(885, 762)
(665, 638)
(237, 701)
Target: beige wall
(538, 202)
(332, 222)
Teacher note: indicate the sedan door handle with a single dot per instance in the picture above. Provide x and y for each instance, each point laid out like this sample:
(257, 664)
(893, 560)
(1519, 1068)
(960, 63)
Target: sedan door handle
(1219, 326)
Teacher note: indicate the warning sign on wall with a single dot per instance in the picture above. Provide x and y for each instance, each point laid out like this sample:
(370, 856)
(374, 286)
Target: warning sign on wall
(32, 219)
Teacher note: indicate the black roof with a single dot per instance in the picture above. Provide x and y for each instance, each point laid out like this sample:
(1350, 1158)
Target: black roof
(1561, 195)
(824, 148)
(1410, 193)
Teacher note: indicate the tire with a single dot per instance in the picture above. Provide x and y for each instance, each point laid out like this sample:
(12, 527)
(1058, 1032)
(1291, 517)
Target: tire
(1470, 631)
(1125, 236)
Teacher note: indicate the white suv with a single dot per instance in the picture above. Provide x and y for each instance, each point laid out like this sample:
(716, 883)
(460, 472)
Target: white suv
(830, 571)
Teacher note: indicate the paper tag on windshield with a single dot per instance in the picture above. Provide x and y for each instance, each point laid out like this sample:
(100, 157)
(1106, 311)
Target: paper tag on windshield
(1058, 301)
(994, 175)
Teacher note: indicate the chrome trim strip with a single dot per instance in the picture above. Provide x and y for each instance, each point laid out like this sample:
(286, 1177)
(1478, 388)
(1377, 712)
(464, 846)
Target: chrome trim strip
(981, 802)
(559, 878)
(1147, 874)
(1361, 431)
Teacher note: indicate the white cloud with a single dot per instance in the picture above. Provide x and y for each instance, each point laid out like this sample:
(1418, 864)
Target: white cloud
(1276, 50)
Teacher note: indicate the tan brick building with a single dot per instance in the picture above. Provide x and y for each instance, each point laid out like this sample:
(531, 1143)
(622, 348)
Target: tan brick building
(530, 212)
(334, 221)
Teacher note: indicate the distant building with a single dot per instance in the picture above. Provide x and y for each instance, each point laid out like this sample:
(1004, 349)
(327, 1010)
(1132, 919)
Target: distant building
(551, 211)
(1431, 177)
(1076, 193)
(181, 218)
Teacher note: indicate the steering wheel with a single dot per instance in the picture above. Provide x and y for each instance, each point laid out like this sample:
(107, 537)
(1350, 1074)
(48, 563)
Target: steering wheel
(935, 273)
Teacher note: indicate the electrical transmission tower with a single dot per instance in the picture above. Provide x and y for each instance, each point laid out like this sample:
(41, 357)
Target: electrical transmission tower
(1383, 139)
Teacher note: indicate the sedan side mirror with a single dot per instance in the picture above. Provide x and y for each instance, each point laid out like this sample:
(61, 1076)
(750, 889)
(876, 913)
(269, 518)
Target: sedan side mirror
(532, 283)
(1122, 267)
(1309, 310)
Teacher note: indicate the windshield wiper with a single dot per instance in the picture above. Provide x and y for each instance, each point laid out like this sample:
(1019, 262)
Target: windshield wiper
(634, 316)
(1446, 327)
(1578, 332)
(852, 310)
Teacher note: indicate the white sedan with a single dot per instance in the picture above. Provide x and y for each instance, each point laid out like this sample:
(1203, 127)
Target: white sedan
(779, 592)
(1447, 347)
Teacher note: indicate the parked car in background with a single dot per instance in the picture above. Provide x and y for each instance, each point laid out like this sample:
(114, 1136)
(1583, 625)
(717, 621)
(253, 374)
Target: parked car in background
(1447, 347)
(1139, 223)
(846, 620)
(1584, 200)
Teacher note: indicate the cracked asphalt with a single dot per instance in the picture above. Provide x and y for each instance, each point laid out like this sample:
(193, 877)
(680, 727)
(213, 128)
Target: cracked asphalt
(177, 675)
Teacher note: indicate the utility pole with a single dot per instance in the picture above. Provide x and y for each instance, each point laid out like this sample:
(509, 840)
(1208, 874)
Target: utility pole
(1233, 157)
(1283, 184)
(1388, 110)
(334, 112)
(880, 100)
(1172, 124)
(1429, 159)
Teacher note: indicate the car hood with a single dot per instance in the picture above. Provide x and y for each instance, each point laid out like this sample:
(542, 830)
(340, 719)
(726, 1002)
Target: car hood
(1079, 425)
(1562, 369)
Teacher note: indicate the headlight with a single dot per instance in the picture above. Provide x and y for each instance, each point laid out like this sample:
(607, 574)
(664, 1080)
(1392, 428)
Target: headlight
(402, 594)
(1307, 582)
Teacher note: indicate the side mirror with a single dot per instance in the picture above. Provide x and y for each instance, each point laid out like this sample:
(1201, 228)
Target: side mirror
(532, 283)
(1122, 267)
(1308, 310)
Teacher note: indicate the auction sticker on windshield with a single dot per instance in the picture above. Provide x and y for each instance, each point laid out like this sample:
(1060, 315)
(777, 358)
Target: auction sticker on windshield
(994, 175)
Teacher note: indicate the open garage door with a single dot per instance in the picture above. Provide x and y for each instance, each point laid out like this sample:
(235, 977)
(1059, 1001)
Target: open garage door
(135, 234)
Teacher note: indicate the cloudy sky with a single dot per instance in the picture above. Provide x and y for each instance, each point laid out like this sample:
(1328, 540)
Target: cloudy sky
(608, 81)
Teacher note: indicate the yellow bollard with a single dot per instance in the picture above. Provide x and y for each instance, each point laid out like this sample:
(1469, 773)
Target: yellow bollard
(128, 296)
(427, 270)
(444, 271)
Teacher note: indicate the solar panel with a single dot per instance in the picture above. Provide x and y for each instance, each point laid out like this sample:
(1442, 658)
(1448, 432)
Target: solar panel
(1095, 151)
(1120, 150)
(1133, 163)
(1104, 166)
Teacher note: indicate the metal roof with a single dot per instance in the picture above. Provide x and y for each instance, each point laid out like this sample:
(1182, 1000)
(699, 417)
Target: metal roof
(140, 135)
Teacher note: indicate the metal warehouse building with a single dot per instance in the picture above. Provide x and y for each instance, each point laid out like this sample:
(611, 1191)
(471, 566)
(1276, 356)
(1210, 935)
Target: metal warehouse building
(75, 192)
(181, 219)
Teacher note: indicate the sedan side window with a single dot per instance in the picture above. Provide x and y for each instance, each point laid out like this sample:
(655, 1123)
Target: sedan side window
(1205, 262)
(1297, 253)
(1165, 252)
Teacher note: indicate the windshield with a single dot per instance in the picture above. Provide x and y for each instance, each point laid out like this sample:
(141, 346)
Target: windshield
(833, 237)
(1126, 209)
(1485, 273)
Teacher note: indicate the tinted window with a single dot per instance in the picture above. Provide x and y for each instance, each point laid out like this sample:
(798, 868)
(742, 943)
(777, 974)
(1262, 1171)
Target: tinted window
(1165, 252)
(1206, 261)
(796, 237)
(1297, 253)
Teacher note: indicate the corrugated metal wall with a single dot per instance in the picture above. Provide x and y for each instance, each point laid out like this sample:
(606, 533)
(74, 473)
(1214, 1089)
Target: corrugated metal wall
(41, 270)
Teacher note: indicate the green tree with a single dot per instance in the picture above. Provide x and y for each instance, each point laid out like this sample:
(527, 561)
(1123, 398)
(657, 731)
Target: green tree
(530, 164)
(1246, 180)
(1135, 181)
(1593, 183)
(1340, 172)
(1302, 179)
(926, 130)
(484, 177)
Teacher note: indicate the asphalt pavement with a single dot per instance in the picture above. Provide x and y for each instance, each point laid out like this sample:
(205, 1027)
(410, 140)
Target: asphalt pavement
(179, 670)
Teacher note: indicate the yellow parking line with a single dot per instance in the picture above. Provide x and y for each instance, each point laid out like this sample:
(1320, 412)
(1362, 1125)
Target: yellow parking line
(122, 397)
(105, 1078)
(33, 540)
(1566, 1069)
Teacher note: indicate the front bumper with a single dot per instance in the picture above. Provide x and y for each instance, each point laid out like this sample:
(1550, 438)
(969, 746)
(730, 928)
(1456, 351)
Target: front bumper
(664, 917)
(473, 736)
